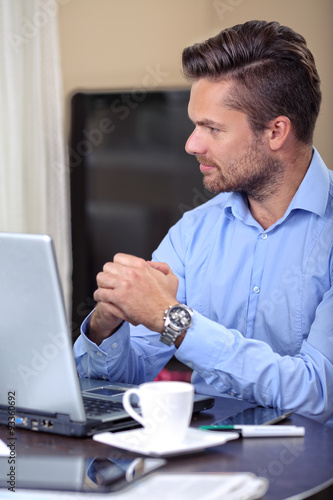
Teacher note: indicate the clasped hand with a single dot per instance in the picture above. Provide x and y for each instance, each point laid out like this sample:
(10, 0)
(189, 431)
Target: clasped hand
(134, 290)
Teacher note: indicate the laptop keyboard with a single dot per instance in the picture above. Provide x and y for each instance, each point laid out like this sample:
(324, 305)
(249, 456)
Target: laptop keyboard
(96, 407)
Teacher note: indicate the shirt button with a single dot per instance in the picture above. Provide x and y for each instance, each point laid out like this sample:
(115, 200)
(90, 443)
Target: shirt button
(99, 353)
(114, 345)
(256, 289)
(264, 236)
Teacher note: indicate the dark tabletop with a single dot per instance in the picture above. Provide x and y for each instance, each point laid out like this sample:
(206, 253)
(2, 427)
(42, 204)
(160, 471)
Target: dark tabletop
(292, 465)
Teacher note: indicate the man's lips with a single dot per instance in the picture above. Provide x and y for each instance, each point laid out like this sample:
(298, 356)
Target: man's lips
(204, 168)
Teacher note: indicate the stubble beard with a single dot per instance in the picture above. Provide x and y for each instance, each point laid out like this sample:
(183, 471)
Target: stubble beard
(255, 173)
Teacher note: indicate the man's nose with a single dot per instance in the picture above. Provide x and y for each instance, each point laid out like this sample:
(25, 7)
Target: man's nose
(195, 145)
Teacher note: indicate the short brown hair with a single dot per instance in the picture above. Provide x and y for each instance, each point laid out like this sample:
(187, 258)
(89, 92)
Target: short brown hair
(273, 70)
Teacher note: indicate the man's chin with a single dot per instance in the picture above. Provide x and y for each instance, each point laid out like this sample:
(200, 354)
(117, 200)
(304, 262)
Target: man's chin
(213, 186)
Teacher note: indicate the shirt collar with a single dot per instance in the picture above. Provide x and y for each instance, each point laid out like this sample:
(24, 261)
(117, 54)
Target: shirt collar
(311, 195)
(313, 192)
(237, 206)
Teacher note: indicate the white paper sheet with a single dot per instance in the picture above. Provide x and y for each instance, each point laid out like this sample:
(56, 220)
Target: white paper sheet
(164, 486)
(4, 450)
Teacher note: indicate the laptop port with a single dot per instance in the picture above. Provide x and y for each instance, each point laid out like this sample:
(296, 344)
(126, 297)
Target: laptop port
(34, 425)
(21, 420)
(46, 424)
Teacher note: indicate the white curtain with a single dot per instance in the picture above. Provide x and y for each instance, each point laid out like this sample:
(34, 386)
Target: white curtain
(34, 174)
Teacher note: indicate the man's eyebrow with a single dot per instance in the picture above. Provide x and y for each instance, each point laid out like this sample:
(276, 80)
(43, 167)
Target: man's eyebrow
(209, 123)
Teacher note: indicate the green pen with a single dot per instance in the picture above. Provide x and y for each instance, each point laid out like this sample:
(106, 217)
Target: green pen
(218, 427)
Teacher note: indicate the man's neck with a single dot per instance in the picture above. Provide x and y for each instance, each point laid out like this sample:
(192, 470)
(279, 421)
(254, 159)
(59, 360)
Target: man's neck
(269, 210)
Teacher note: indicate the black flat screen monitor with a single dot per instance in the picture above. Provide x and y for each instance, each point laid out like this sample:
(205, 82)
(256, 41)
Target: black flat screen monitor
(131, 178)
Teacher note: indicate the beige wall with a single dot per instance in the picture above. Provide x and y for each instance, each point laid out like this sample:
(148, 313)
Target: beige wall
(108, 44)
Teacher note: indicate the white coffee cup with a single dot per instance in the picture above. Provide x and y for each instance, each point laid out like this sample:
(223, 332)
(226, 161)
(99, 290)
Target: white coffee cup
(166, 409)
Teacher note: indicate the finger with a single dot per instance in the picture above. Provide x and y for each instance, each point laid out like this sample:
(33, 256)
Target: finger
(109, 267)
(104, 301)
(128, 260)
(160, 266)
(104, 294)
(111, 309)
(110, 270)
(105, 280)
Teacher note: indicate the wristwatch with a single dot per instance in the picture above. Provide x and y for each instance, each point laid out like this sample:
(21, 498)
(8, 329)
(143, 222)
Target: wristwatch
(177, 320)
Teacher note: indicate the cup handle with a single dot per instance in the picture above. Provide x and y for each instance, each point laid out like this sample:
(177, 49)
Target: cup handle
(128, 406)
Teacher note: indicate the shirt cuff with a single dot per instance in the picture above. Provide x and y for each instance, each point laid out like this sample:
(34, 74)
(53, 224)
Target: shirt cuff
(107, 345)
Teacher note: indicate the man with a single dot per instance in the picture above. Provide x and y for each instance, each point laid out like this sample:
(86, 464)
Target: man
(250, 271)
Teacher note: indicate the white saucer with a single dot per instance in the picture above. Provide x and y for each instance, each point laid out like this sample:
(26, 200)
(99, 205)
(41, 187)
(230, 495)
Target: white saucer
(138, 441)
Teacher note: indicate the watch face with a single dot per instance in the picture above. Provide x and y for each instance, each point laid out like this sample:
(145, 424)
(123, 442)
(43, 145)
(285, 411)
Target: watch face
(180, 317)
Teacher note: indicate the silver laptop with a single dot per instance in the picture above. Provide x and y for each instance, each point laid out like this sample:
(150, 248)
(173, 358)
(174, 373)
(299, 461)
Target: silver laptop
(39, 386)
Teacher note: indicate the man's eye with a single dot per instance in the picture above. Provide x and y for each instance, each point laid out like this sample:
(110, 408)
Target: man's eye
(213, 130)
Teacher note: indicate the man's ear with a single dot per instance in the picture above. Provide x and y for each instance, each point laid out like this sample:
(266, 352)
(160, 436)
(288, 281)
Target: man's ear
(278, 131)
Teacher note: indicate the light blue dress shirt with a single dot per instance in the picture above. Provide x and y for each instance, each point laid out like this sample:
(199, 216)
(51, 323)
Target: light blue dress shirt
(263, 304)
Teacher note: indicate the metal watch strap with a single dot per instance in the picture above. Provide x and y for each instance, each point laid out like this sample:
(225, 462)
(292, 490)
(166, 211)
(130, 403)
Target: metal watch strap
(169, 336)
